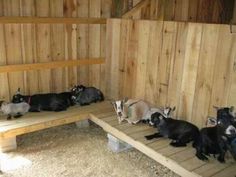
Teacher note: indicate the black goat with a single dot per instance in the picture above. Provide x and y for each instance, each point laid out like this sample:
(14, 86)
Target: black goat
(217, 140)
(181, 132)
(46, 102)
(86, 95)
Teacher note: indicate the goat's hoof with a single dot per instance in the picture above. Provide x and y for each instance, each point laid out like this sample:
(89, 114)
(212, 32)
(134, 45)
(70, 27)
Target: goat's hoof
(202, 157)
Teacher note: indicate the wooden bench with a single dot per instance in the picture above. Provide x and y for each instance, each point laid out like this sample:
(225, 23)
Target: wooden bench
(180, 160)
(31, 122)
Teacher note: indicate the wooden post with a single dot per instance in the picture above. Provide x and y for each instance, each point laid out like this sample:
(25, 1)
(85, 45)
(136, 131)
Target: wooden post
(7, 144)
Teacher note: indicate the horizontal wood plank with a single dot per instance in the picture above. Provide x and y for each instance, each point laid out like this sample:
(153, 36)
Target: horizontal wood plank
(50, 65)
(37, 121)
(52, 20)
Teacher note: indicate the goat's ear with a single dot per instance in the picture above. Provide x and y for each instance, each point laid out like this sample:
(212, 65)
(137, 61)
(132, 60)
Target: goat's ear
(18, 91)
(173, 109)
(231, 109)
(112, 103)
(211, 121)
(125, 99)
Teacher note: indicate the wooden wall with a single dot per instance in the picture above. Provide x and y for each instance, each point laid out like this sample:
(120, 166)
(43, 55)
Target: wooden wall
(187, 65)
(209, 11)
(33, 43)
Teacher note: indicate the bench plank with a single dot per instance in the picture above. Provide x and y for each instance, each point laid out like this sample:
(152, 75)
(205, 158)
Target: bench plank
(42, 120)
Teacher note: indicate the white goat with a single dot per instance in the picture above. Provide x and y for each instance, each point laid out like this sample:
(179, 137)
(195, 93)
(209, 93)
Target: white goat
(14, 109)
(135, 110)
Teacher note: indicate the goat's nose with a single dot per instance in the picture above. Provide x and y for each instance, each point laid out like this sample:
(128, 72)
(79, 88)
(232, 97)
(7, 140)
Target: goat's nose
(119, 114)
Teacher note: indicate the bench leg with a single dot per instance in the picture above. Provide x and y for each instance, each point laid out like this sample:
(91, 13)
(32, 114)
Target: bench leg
(116, 145)
(82, 123)
(7, 144)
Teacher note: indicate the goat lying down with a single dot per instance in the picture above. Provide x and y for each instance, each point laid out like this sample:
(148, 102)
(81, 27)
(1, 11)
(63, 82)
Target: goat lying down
(219, 137)
(136, 110)
(45, 102)
(14, 109)
(179, 131)
(86, 95)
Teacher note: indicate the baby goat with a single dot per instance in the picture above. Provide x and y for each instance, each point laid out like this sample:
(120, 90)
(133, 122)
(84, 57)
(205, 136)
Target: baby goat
(14, 109)
(181, 132)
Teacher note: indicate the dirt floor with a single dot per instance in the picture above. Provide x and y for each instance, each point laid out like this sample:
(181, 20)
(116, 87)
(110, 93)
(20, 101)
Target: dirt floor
(71, 151)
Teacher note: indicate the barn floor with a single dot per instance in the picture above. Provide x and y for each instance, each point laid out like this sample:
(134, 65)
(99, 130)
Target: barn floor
(71, 151)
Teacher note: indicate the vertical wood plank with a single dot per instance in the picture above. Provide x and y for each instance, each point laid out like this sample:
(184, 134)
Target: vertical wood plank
(167, 54)
(70, 10)
(142, 57)
(123, 53)
(223, 68)
(181, 10)
(205, 74)
(13, 46)
(109, 46)
(57, 46)
(169, 10)
(43, 45)
(4, 91)
(131, 61)
(83, 41)
(157, 9)
(154, 50)
(29, 46)
(191, 57)
(94, 43)
(115, 56)
(176, 68)
(192, 10)
(232, 92)
(105, 13)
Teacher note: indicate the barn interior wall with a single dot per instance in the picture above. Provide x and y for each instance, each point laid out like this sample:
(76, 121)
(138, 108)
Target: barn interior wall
(208, 11)
(34, 43)
(187, 65)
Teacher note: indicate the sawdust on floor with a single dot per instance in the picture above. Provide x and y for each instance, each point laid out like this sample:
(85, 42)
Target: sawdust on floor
(75, 152)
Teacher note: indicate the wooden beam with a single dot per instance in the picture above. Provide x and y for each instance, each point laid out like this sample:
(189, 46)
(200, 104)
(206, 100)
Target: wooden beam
(136, 8)
(50, 65)
(52, 20)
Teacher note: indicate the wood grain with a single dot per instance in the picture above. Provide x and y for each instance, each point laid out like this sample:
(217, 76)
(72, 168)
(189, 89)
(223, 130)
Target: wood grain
(187, 65)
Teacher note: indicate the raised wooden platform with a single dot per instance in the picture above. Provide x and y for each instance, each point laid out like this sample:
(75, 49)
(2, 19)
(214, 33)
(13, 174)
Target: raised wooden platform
(180, 160)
